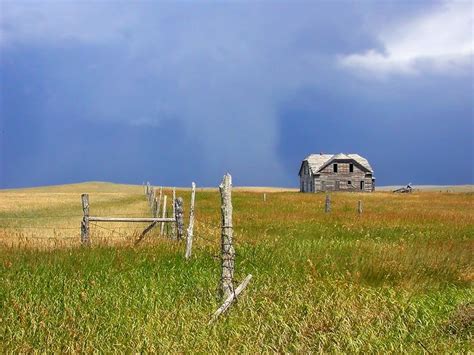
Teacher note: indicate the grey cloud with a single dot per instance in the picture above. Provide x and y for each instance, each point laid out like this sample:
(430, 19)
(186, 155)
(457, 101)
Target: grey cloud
(221, 70)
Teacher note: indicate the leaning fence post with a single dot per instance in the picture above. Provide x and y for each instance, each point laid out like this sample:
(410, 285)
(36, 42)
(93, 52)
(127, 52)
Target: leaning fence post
(229, 300)
(189, 236)
(327, 207)
(85, 240)
(359, 207)
(179, 217)
(227, 248)
(163, 216)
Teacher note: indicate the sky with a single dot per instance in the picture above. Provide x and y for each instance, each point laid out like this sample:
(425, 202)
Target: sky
(175, 92)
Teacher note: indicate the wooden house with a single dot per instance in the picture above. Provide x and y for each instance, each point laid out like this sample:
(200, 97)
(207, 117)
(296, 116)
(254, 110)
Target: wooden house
(336, 172)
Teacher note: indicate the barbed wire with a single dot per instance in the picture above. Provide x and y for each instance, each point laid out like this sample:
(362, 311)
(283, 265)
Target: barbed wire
(21, 217)
(206, 239)
(123, 227)
(61, 227)
(40, 237)
(206, 248)
(37, 227)
(110, 230)
(41, 216)
(71, 216)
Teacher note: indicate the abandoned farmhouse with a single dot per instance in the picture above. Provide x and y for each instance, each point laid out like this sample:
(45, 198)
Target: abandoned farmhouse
(336, 172)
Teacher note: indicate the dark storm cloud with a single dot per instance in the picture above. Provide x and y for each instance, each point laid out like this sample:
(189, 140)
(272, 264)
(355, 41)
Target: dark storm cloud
(197, 89)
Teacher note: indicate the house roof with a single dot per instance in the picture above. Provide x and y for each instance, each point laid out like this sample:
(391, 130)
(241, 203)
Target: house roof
(317, 161)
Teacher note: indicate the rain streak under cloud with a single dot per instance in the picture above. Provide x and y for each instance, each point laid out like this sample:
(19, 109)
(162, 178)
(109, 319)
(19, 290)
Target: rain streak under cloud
(187, 91)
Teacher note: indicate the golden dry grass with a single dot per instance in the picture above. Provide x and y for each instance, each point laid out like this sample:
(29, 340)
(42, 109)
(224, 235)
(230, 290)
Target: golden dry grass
(397, 278)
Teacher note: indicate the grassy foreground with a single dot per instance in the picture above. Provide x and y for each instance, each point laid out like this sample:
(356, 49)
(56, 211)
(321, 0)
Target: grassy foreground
(397, 278)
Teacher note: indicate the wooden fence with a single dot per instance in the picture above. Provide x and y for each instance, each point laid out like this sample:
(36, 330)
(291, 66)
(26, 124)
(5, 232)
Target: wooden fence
(85, 228)
(229, 294)
(157, 205)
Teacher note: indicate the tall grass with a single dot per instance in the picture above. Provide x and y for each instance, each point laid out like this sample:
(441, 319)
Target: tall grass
(397, 278)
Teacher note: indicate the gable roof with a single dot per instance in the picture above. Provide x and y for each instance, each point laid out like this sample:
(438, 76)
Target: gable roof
(318, 161)
(361, 160)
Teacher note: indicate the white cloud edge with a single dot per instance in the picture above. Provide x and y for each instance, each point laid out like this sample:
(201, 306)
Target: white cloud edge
(440, 40)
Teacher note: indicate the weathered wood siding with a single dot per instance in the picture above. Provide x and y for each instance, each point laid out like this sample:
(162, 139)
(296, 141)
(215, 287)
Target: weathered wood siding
(343, 179)
(306, 179)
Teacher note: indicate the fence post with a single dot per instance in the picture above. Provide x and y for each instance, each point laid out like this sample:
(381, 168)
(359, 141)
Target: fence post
(189, 236)
(151, 200)
(228, 254)
(174, 199)
(155, 207)
(227, 248)
(85, 240)
(264, 197)
(163, 216)
(160, 196)
(327, 206)
(179, 217)
(359, 207)
(173, 204)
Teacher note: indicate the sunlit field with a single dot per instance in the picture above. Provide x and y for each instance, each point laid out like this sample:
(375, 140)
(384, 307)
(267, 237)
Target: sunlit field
(396, 278)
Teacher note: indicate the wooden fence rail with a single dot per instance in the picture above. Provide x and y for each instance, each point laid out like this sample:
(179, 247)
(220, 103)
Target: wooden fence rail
(85, 227)
(131, 219)
(157, 204)
(228, 292)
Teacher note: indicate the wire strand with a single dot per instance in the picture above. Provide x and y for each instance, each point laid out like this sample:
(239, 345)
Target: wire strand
(110, 230)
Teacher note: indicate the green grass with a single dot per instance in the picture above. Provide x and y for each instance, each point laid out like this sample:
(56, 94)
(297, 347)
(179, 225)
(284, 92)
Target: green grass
(396, 279)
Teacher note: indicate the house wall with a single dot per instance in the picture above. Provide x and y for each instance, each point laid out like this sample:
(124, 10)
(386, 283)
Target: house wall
(306, 179)
(328, 180)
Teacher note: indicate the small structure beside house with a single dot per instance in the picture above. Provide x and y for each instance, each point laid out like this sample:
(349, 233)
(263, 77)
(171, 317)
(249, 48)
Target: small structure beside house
(336, 172)
(403, 190)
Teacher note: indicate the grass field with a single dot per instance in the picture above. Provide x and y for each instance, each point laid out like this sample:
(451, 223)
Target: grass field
(397, 278)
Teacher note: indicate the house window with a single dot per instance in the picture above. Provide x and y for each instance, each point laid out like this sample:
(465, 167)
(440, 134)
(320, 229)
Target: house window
(351, 168)
(349, 182)
(334, 168)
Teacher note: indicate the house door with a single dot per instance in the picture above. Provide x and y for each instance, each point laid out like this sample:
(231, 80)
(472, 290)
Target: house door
(337, 185)
(362, 185)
